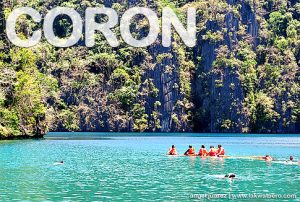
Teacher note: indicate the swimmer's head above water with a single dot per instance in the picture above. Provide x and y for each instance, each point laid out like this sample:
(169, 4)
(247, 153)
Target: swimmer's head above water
(268, 158)
(230, 175)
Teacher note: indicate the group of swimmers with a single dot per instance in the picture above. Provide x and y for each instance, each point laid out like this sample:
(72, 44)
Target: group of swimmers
(202, 152)
(220, 152)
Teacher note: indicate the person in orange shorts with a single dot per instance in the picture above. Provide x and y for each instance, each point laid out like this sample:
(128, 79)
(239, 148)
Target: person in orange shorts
(202, 151)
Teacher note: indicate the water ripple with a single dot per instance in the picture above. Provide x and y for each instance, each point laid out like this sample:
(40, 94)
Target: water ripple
(133, 169)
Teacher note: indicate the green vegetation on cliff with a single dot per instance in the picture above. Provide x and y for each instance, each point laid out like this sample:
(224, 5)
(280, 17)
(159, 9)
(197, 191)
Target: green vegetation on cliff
(243, 75)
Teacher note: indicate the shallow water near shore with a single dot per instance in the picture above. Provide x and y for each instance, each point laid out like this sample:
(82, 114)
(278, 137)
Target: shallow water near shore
(118, 167)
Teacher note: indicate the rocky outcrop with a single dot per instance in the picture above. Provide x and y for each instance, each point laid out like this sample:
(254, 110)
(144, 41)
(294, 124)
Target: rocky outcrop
(242, 76)
(219, 93)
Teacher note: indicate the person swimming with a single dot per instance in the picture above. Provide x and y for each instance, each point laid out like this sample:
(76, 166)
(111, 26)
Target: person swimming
(59, 163)
(202, 151)
(220, 151)
(230, 175)
(291, 160)
(172, 151)
(268, 158)
(190, 151)
(212, 151)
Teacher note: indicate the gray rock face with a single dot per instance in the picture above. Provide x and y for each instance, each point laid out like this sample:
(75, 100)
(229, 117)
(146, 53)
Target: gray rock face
(219, 95)
(164, 81)
(225, 102)
(89, 101)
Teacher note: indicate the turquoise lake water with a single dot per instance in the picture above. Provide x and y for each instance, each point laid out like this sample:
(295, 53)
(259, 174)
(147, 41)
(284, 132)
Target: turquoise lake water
(114, 167)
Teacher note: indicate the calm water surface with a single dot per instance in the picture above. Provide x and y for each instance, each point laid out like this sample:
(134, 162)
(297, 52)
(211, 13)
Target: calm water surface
(104, 168)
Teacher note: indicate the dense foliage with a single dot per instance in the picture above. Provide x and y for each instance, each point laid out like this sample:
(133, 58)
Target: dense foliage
(243, 75)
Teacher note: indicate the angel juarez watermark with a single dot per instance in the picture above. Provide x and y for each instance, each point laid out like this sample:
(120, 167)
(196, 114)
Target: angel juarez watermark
(237, 196)
(168, 20)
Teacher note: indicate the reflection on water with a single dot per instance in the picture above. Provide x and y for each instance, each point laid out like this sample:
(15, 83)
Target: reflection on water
(135, 168)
